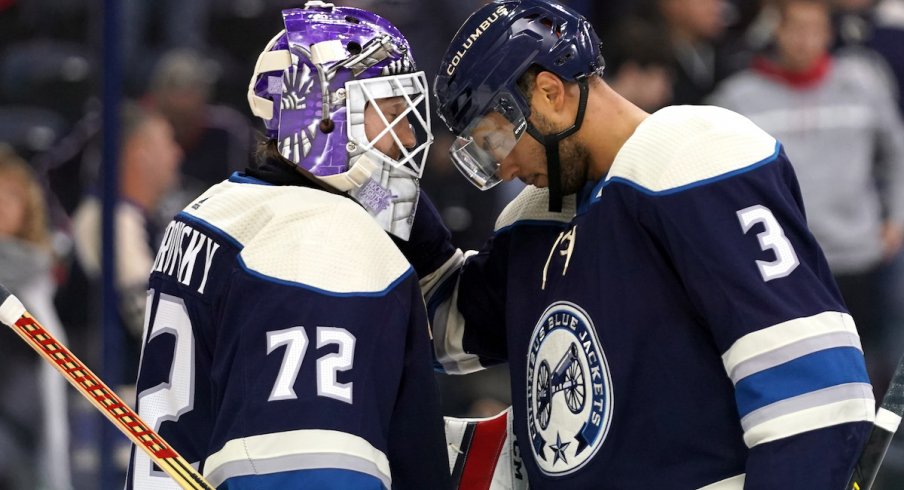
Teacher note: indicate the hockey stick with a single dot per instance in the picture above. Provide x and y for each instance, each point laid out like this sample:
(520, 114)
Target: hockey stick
(14, 315)
(888, 418)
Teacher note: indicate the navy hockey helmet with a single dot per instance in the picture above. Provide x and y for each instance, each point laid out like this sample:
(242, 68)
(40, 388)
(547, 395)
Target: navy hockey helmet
(476, 88)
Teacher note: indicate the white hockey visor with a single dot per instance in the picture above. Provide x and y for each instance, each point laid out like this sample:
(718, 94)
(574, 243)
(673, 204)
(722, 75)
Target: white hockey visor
(480, 149)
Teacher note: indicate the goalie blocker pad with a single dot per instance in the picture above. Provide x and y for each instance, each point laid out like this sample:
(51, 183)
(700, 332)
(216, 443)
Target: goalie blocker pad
(483, 454)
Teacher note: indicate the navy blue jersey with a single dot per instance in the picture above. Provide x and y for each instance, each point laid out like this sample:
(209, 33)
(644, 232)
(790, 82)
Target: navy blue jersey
(677, 327)
(287, 346)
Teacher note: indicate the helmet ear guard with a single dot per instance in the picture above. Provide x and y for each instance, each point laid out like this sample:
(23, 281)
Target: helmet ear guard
(268, 61)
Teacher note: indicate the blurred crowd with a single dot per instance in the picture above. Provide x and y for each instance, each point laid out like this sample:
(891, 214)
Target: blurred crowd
(823, 76)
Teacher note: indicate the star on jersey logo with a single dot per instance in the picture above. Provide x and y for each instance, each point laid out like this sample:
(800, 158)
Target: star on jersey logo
(559, 449)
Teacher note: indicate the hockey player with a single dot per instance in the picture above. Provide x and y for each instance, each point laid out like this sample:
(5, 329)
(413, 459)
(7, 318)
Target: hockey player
(286, 343)
(668, 320)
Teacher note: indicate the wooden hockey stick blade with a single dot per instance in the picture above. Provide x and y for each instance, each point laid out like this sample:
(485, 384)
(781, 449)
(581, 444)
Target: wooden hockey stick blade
(888, 418)
(14, 315)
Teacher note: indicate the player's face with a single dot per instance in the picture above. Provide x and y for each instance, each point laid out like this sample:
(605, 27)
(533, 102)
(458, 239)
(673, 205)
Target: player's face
(527, 161)
(392, 108)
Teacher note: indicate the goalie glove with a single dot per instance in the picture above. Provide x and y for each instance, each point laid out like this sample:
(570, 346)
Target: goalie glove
(483, 454)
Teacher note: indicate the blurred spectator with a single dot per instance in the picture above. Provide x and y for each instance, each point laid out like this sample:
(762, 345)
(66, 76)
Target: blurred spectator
(58, 76)
(695, 29)
(155, 26)
(48, 19)
(30, 130)
(887, 38)
(755, 33)
(215, 139)
(838, 121)
(149, 167)
(638, 65)
(34, 429)
(853, 21)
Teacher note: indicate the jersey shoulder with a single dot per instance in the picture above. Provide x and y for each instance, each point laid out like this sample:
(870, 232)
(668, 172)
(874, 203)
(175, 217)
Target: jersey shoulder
(532, 206)
(682, 146)
(303, 236)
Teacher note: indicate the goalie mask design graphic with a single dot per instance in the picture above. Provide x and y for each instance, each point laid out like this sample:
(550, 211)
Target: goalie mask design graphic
(312, 85)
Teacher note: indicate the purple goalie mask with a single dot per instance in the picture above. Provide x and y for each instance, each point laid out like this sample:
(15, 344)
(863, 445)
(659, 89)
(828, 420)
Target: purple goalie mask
(313, 85)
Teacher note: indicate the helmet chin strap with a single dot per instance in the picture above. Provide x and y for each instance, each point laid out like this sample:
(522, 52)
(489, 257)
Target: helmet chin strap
(551, 143)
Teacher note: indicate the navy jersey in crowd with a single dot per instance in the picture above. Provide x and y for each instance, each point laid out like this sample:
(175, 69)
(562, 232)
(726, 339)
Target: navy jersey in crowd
(287, 346)
(676, 328)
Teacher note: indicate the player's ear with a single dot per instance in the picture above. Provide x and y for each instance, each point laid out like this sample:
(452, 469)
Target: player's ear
(549, 89)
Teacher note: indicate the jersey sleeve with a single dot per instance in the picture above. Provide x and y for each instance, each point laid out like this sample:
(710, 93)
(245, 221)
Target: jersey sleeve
(461, 344)
(758, 280)
(467, 295)
(466, 305)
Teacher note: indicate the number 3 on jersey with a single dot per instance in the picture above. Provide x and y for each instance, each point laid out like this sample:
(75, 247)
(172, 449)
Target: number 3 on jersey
(772, 238)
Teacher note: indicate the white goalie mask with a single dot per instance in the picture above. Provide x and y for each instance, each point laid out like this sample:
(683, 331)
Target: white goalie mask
(386, 184)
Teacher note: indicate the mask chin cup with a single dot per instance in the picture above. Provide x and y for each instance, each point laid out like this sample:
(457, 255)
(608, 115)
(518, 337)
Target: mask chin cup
(362, 170)
(392, 205)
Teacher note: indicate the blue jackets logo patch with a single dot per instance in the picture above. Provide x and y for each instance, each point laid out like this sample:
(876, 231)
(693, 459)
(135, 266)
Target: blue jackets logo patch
(569, 390)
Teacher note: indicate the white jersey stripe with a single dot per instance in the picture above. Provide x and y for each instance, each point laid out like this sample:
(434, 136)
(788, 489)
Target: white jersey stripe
(296, 450)
(733, 483)
(793, 351)
(857, 410)
(786, 333)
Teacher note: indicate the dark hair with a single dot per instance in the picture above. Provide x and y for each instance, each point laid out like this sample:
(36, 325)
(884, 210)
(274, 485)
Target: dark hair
(783, 5)
(183, 69)
(639, 41)
(267, 149)
(527, 80)
(34, 225)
